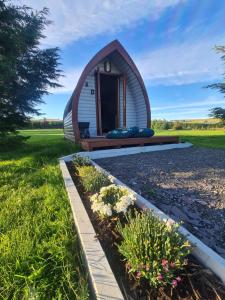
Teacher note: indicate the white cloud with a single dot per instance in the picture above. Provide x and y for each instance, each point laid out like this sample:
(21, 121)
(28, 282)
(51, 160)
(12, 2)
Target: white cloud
(175, 64)
(210, 101)
(68, 81)
(183, 114)
(75, 19)
(185, 63)
(199, 109)
(172, 65)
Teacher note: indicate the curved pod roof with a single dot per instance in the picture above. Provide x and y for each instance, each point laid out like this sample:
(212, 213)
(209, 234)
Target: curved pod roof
(103, 53)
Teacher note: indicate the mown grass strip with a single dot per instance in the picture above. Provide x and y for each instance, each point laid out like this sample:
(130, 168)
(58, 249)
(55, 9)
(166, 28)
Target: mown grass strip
(39, 251)
(200, 138)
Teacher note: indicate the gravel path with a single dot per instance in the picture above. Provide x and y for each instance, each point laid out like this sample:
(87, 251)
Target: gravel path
(187, 184)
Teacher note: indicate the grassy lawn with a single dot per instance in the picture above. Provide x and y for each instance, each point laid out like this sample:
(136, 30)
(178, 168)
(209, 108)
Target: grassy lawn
(200, 138)
(39, 253)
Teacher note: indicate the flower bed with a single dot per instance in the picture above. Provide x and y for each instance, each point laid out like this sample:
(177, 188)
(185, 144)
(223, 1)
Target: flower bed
(158, 270)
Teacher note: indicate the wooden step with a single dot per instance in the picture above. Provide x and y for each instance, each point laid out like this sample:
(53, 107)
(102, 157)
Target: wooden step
(101, 142)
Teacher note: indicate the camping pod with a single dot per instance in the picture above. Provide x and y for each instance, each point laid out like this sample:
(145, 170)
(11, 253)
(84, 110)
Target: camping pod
(110, 94)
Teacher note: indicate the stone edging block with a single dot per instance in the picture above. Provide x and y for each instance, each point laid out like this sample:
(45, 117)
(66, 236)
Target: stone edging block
(103, 283)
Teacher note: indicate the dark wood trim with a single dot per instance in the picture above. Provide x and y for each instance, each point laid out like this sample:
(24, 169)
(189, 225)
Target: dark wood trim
(110, 74)
(124, 101)
(99, 108)
(108, 49)
(118, 103)
(96, 101)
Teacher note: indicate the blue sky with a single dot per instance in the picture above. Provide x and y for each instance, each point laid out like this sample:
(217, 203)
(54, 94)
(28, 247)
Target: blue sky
(171, 42)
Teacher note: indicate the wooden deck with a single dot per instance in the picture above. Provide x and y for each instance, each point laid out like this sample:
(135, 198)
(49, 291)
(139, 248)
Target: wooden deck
(101, 142)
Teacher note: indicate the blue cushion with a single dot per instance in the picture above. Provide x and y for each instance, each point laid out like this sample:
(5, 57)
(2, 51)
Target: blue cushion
(133, 131)
(118, 134)
(122, 133)
(145, 132)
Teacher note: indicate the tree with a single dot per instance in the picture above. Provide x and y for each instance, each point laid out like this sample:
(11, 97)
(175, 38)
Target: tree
(221, 85)
(218, 113)
(26, 70)
(161, 124)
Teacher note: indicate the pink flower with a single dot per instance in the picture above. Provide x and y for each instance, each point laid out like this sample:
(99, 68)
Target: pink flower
(172, 264)
(138, 275)
(178, 279)
(164, 262)
(147, 267)
(174, 283)
(160, 277)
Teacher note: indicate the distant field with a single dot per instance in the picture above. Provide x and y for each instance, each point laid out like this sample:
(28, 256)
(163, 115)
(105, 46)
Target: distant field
(42, 132)
(200, 138)
(201, 121)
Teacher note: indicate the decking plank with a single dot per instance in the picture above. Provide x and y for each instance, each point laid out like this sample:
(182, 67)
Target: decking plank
(101, 142)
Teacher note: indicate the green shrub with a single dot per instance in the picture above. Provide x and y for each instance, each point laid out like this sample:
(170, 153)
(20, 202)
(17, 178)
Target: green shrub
(161, 125)
(79, 161)
(153, 250)
(92, 179)
(177, 126)
(112, 199)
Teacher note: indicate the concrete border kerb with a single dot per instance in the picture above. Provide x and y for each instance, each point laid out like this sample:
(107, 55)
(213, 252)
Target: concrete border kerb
(105, 282)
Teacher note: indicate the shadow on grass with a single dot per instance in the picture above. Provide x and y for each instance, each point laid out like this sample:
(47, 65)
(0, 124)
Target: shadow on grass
(41, 149)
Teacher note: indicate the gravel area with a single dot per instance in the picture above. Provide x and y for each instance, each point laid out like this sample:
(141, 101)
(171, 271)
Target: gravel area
(187, 184)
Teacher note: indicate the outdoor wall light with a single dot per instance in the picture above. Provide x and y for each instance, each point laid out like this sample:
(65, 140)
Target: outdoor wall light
(107, 66)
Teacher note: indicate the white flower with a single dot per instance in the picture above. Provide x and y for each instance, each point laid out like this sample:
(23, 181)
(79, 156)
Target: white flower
(124, 203)
(96, 206)
(111, 186)
(111, 178)
(133, 197)
(100, 201)
(94, 198)
(102, 209)
(103, 189)
(124, 189)
(106, 210)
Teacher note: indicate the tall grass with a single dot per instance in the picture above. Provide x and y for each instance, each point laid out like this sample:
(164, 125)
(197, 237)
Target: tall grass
(39, 251)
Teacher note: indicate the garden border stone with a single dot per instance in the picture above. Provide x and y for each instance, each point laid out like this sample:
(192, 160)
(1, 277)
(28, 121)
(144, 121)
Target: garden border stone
(203, 253)
(102, 281)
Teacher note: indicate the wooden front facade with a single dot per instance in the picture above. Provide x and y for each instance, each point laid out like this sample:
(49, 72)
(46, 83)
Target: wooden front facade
(129, 105)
